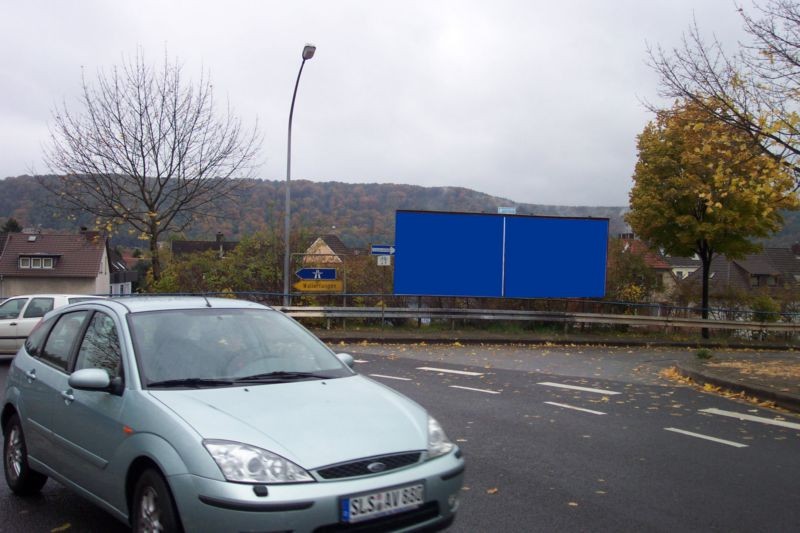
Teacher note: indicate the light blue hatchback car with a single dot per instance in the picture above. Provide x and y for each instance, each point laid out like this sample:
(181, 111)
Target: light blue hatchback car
(210, 414)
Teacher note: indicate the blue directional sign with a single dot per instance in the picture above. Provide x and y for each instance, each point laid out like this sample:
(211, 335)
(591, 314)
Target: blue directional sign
(382, 249)
(316, 273)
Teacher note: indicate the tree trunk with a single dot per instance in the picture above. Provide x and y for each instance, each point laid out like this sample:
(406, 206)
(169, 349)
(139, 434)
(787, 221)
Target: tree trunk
(706, 260)
(154, 257)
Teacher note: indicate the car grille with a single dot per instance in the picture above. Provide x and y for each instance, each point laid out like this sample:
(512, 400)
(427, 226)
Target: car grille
(359, 468)
(429, 511)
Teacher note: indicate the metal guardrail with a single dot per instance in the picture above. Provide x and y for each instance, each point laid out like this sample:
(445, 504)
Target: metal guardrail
(383, 313)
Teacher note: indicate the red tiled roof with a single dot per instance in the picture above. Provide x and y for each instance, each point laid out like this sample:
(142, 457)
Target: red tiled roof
(77, 255)
(652, 259)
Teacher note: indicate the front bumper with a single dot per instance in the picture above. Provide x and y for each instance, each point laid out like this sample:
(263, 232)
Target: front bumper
(212, 505)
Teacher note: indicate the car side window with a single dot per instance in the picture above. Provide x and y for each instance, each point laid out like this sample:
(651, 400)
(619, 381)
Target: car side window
(10, 308)
(35, 341)
(62, 338)
(100, 347)
(38, 307)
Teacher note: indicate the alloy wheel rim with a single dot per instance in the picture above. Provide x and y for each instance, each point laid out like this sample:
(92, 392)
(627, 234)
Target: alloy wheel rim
(14, 453)
(149, 511)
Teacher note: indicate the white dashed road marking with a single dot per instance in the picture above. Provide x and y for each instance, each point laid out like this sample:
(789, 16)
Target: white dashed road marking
(448, 371)
(389, 377)
(574, 387)
(361, 361)
(476, 390)
(751, 418)
(706, 437)
(565, 406)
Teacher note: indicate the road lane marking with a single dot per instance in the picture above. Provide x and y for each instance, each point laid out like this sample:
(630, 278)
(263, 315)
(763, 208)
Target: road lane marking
(389, 377)
(361, 361)
(706, 437)
(575, 408)
(751, 418)
(448, 371)
(476, 390)
(574, 387)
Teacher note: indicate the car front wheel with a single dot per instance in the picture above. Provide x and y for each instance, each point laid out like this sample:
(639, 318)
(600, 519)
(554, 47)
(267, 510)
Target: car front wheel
(19, 476)
(153, 506)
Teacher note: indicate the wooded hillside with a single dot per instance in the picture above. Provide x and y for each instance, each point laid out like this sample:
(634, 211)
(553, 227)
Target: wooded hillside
(361, 213)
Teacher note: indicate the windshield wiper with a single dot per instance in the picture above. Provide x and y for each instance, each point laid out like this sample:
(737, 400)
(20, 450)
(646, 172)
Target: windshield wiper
(280, 376)
(195, 383)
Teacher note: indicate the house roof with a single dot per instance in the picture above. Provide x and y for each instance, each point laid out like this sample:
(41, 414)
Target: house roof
(79, 255)
(3, 237)
(336, 244)
(652, 259)
(685, 262)
(736, 274)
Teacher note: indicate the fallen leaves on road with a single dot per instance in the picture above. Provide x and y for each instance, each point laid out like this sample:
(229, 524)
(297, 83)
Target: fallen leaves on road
(493, 490)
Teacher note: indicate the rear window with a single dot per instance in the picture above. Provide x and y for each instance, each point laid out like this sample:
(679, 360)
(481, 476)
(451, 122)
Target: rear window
(77, 299)
(61, 340)
(38, 307)
(35, 341)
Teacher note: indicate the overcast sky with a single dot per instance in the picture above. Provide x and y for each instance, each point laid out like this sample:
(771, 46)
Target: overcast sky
(535, 101)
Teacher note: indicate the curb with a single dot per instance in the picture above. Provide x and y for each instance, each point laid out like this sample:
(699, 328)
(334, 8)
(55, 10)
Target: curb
(787, 401)
(354, 338)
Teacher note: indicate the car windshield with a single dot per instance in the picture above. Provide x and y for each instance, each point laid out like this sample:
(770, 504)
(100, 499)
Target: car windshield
(214, 347)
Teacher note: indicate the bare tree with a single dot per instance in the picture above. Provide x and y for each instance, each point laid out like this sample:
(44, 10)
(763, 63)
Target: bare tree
(755, 88)
(147, 149)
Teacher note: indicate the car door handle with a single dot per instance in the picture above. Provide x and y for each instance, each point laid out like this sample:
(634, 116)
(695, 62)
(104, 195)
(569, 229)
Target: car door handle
(30, 375)
(13, 324)
(67, 396)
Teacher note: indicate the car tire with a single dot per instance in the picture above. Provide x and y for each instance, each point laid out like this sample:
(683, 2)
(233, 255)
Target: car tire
(153, 507)
(21, 479)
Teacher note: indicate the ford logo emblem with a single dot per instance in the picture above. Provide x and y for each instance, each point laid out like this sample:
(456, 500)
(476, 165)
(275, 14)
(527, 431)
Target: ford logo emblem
(376, 467)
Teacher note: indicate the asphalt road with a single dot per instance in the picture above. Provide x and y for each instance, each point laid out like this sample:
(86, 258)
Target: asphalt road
(632, 453)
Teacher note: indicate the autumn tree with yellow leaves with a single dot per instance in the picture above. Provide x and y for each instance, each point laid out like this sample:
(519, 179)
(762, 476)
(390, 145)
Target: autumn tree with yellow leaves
(704, 187)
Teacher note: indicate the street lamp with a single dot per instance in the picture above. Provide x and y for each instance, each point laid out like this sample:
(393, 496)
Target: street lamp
(308, 53)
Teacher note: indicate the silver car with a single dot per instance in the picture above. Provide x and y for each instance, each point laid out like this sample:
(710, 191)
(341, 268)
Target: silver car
(219, 415)
(19, 315)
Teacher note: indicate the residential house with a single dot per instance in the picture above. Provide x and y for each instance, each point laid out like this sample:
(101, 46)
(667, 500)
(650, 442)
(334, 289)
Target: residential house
(773, 271)
(33, 262)
(219, 245)
(683, 267)
(654, 260)
(327, 249)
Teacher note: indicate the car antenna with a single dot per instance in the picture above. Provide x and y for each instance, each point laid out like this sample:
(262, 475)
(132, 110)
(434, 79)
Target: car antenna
(208, 304)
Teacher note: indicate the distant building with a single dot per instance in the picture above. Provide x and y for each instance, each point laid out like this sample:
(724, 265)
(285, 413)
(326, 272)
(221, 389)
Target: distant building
(219, 245)
(327, 249)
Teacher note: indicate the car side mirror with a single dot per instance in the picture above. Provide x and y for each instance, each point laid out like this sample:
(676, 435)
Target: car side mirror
(95, 379)
(347, 359)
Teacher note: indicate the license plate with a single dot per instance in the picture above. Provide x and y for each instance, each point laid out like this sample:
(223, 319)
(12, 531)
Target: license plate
(382, 503)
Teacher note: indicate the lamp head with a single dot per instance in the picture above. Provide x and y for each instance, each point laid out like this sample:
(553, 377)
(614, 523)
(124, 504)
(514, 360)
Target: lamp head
(308, 51)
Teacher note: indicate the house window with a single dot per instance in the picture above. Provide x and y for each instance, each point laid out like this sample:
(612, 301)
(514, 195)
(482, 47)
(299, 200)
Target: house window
(753, 280)
(772, 281)
(36, 262)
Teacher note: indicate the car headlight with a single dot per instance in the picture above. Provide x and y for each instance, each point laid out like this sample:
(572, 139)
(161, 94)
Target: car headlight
(247, 464)
(438, 443)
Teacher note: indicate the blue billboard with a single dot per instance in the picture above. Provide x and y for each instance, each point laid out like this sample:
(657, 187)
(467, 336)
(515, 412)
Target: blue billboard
(513, 256)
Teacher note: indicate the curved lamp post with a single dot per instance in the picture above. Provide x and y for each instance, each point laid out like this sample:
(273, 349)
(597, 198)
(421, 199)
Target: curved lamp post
(308, 53)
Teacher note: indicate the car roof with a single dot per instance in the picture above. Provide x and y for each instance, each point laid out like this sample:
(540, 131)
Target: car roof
(138, 304)
(55, 295)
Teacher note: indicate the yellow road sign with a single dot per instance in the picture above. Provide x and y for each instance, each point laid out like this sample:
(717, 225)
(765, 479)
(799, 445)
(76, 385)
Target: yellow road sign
(309, 285)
